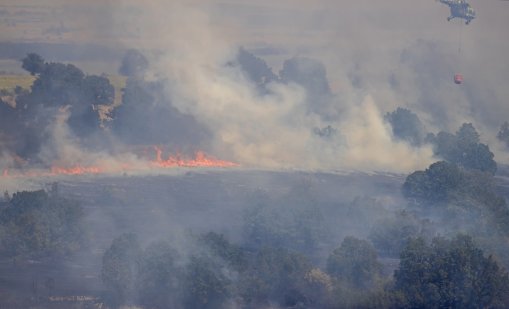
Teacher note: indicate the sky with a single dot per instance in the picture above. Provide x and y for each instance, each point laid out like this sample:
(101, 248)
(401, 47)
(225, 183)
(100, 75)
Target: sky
(379, 55)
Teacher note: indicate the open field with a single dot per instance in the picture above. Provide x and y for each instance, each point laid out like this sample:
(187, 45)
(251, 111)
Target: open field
(9, 82)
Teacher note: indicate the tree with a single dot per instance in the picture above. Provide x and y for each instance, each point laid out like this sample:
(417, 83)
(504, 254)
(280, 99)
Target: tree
(434, 184)
(7, 197)
(309, 73)
(205, 284)
(448, 186)
(450, 274)
(503, 134)
(464, 149)
(467, 135)
(312, 76)
(147, 117)
(58, 85)
(134, 64)
(294, 222)
(275, 275)
(406, 126)
(219, 246)
(119, 269)
(98, 90)
(37, 225)
(33, 63)
(157, 277)
(354, 262)
(390, 235)
(255, 68)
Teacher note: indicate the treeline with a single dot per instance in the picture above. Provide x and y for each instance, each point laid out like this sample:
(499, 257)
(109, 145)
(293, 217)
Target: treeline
(442, 273)
(63, 94)
(145, 115)
(446, 248)
(40, 225)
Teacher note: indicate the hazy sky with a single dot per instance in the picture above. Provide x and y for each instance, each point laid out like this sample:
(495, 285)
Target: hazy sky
(399, 52)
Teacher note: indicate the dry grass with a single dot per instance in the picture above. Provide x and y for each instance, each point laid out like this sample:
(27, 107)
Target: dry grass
(9, 82)
(118, 82)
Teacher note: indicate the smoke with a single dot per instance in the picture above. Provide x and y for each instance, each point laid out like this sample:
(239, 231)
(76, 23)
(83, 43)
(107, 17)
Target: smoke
(377, 57)
(273, 130)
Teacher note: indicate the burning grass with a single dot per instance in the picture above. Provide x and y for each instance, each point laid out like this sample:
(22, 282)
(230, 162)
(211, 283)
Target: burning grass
(137, 165)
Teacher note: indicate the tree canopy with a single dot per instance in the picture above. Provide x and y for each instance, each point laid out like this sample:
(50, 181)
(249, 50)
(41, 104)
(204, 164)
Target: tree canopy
(450, 274)
(406, 126)
(134, 64)
(58, 85)
(33, 63)
(120, 268)
(464, 148)
(503, 133)
(35, 224)
(354, 262)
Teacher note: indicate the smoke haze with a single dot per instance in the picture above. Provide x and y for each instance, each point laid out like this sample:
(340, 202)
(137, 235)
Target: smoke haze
(377, 56)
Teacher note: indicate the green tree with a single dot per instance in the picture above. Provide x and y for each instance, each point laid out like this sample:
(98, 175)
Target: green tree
(219, 246)
(293, 221)
(255, 68)
(354, 262)
(157, 279)
(134, 64)
(460, 191)
(58, 85)
(205, 284)
(464, 148)
(147, 117)
(434, 184)
(503, 134)
(37, 225)
(390, 235)
(450, 274)
(311, 75)
(120, 264)
(406, 126)
(98, 90)
(275, 275)
(33, 63)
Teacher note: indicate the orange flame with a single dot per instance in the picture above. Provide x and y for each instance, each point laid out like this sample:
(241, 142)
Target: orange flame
(76, 170)
(200, 160)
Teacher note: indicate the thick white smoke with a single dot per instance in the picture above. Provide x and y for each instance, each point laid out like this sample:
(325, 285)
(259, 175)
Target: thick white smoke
(269, 131)
(378, 55)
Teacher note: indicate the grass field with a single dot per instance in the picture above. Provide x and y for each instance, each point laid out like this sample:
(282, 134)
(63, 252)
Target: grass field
(9, 82)
(118, 82)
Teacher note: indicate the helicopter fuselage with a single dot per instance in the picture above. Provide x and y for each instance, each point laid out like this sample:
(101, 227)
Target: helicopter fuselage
(460, 9)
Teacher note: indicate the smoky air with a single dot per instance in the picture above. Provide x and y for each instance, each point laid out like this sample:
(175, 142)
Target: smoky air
(242, 154)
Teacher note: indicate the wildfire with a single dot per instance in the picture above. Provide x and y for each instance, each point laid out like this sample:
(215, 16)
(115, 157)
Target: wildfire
(76, 170)
(200, 159)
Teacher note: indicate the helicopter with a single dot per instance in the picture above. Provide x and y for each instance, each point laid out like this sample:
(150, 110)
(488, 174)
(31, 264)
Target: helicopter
(460, 9)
